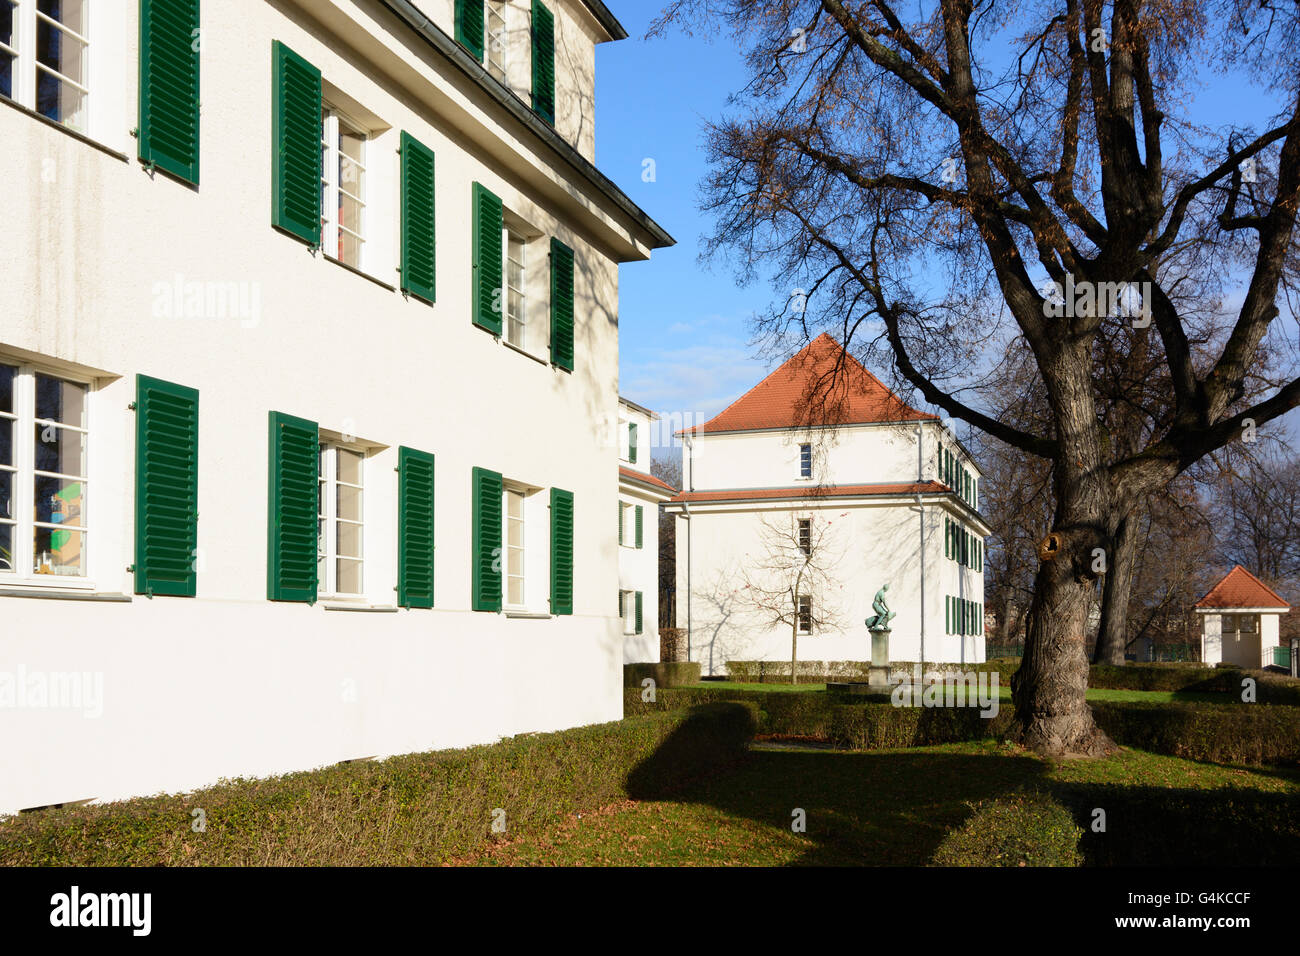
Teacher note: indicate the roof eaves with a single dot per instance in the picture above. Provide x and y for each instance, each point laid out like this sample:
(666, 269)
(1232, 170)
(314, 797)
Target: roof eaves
(457, 55)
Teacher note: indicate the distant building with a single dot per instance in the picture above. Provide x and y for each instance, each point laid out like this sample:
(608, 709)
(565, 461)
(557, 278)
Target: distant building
(1239, 622)
(639, 496)
(888, 489)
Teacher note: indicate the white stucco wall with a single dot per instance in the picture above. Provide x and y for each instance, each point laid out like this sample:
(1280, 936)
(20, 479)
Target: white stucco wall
(868, 545)
(229, 683)
(638, 568)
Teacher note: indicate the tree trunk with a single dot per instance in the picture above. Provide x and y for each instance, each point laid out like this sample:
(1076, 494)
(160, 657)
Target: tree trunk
(1052, 714)
(1115, 592)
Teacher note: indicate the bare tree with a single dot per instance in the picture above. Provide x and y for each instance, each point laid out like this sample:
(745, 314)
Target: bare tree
(913, 170)
(788, 584)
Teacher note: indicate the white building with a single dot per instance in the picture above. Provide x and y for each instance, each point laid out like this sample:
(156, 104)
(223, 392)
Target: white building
(1239, 622)
(879, 492)
(639, 496)
(296, 462)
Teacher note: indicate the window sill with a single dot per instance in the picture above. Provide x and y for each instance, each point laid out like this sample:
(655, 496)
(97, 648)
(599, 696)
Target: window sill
(360, 272)
(530, 615)
(63, 594)
(523, 351)
(88, 140)
(365, 608)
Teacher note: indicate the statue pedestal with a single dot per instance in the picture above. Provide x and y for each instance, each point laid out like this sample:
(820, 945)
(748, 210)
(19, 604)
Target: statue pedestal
(878, 676)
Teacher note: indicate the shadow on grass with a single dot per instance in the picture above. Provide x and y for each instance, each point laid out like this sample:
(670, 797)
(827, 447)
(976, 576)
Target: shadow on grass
(894, 807)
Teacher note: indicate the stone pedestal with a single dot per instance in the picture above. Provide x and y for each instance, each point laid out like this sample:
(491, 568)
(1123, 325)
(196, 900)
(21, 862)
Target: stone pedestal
(878, 676)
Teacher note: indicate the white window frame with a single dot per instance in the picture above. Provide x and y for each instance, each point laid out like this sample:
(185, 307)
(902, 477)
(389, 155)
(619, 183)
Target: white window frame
(24, 523)
(805, 626)
(333, 122)
(799, 535)
(802, 476)
(521, 320)
(498, 40)
(508, 492)
(26, 66)
(627, 611)
(627, 531)
(327, 483)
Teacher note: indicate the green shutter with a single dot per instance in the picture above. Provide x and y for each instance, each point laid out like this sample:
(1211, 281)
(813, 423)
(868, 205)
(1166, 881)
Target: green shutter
(947, 614)
(620, 523)
(639, 521)
(486, 557)
(292, 509)
(169, 86)
(418, 234)
(561, 551)
(562, 308)
(947, 537)
(487, 279)
(295, 139)
(631, 442)
(415, 548)
(639, 628)
(543, 62)
(469, 26)
(166, 487)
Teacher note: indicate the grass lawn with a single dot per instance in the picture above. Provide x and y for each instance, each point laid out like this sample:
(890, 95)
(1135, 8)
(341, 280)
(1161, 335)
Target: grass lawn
(880, 807)
(1004, 692)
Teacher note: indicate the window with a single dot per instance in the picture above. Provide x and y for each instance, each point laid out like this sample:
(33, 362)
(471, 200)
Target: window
(340, 520)
(343, 188)
(805, 614)
(44, 58)
(514, 564)
(624, 510)
(516, 293)
(626, 611)
(43, 441)
(496, 39)
(805, 536)
(805, 461)
(631, 442)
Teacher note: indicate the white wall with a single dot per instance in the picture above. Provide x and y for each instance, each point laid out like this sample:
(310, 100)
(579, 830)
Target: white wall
(868, 544)
(230, 683)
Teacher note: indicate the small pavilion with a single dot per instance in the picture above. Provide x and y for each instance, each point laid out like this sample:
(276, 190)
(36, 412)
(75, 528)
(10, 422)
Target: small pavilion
(1239, 622)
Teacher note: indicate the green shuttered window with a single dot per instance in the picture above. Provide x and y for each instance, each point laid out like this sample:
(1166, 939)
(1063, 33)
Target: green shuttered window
(639, 523)
(469, 26)
(296, 142)
(631, 442)
(169, 86)
(292, 509)
(166, 487)
(485, 551)
(639, 628)
(418, 245)
(561, 551)
(415, 483)
(543, 62)
(486, 281)
(562, 311)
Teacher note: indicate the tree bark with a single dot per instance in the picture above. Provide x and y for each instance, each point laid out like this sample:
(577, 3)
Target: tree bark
(1116, 590)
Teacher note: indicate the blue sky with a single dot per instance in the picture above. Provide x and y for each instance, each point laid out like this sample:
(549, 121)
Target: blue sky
(684, 327)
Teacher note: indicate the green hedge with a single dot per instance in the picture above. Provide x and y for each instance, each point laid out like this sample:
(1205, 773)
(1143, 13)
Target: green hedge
(417, 809)
(664, 674)
(1245, 733)
(1022, 829)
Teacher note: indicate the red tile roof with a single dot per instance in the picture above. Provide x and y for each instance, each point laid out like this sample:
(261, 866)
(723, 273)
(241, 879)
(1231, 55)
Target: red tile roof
(647, 478)
(813, 491)
(820, 385)
(1240, 588)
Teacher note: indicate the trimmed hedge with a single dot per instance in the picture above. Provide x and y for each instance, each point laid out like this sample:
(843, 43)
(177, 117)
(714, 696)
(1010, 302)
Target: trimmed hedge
(417, 809)
(1245, 733)
(1022, 829)
(664, 673)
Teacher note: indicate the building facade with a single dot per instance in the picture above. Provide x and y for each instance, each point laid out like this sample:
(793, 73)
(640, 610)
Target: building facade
(309, 308)
(639, 496)
(1240, 618)
(820, 486)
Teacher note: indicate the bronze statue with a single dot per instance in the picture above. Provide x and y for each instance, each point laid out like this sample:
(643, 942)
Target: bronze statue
(880, 620)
